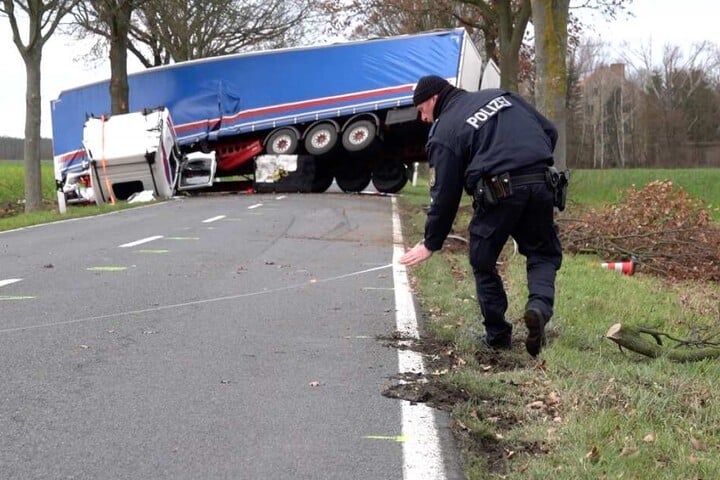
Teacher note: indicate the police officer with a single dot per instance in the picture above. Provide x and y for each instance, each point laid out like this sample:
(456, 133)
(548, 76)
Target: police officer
(498, 148)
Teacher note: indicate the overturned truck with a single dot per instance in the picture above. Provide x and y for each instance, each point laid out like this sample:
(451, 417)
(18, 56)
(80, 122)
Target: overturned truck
(293, 119)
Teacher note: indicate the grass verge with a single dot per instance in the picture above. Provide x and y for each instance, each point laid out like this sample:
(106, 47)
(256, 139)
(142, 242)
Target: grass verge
(12, 195)
(586, 409)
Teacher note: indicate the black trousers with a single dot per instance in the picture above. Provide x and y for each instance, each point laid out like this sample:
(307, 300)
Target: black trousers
(527, 216)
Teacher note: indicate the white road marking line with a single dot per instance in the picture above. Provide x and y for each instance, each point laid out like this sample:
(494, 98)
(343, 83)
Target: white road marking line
(422, 456)
(281, 197)
(214, 219)
(139, 242)
(9, 281)
(252, 207)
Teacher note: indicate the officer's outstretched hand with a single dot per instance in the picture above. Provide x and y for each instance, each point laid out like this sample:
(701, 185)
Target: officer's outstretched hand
(416, 255)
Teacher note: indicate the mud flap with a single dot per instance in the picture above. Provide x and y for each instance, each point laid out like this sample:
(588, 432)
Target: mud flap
(284, 173)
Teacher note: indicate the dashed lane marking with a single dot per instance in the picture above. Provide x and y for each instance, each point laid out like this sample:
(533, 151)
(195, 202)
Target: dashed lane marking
(253, 207)
(140, 242)
(214, 219)
(9, 281)
(394, 438)
(15, 297)
(106, 269)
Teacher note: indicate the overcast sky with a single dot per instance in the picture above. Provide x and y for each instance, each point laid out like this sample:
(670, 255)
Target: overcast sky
(656, 21)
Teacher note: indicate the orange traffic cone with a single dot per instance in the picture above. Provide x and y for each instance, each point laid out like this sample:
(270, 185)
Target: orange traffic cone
(626, 268)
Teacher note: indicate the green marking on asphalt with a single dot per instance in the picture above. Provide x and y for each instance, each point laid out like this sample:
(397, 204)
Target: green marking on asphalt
(395, 438)
(15, 297)
(106, 269)
(152, 251)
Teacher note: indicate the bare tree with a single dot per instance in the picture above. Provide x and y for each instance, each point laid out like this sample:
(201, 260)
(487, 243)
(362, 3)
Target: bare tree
(498, 25)
(42, 19)
(583, 59)
(111, 20)
(681, 102)
(552, 24)
(179, 30)
(161, 32)
(504, 24)
(370, 18)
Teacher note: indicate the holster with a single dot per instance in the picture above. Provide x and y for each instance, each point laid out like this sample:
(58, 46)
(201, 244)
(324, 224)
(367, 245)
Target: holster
(558, 181)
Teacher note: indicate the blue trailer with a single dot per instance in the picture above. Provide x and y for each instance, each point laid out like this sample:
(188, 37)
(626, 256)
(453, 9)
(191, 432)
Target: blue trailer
(346, 108)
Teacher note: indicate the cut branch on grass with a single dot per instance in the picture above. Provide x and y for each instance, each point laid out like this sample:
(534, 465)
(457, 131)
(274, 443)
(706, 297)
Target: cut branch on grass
(631, 338)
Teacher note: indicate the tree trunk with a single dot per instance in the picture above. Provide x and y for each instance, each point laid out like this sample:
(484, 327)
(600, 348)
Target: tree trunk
(40, 15)
(631, 339)
(511, 30)
(33, 177)
(550, 19)
(119, 22)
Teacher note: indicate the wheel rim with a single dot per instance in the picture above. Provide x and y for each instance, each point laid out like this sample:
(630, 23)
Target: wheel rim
(282, 144)
(320, 139)
(358, 135)
(283, 141)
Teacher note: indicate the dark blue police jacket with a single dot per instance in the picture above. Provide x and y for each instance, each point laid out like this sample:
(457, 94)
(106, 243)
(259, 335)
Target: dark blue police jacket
(481, 134)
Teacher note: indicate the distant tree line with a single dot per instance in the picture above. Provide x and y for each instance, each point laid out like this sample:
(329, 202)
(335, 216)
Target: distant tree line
(12, 148)
(635, 113)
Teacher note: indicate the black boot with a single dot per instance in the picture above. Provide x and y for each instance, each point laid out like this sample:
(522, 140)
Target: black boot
(535, 323)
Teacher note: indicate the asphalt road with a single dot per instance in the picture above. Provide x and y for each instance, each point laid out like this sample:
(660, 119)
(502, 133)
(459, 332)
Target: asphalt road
(221, 337)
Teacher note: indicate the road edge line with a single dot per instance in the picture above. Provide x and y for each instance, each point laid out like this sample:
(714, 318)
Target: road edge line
(422, 455)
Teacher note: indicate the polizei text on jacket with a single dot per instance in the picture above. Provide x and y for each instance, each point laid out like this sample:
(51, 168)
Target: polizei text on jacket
(487, 111)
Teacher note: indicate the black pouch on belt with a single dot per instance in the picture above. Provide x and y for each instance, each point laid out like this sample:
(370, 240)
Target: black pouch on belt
(489, 191)
(558, 181)
(501, 186)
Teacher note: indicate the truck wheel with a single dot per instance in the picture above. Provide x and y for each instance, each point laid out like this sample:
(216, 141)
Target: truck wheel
(359, 135)
(321, 138)
(283, 141)
(352, 175)
(389, 176)
(323, 177)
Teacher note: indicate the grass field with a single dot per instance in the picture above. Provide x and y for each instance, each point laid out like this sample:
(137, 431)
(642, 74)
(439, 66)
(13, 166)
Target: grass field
(586, 410)
(12, 184)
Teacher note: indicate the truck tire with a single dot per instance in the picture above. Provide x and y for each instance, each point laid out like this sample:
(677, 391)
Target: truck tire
(321, 138)
(359, 135)
(389, 176)
(323, 177)
(283, 141)
(352, 175)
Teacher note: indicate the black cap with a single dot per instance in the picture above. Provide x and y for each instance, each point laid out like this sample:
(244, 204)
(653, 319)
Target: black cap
(428, 86)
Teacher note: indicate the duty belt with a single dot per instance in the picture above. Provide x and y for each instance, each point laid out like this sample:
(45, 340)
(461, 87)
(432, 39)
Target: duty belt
(490, 190)
(528, 179)
(502, 185)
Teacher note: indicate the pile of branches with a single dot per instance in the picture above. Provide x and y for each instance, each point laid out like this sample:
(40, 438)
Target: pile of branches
(664, 229)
